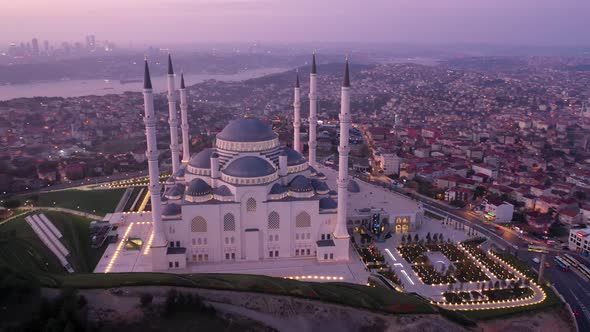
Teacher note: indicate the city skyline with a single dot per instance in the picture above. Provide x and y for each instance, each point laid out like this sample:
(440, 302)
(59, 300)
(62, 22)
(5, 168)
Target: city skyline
(528, 22)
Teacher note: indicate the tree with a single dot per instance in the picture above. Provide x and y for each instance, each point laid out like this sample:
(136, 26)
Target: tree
(497, 284)
(435, 237)
(580, 195)
(404, 238)
(11, 204)
(145, 299)
(416, 238)
(428, 238)
(480, 191)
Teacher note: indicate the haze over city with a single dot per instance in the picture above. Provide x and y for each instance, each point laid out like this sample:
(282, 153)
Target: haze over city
(523, 22)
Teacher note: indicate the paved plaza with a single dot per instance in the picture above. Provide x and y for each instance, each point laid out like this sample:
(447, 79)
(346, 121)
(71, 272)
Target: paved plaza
(138, 225)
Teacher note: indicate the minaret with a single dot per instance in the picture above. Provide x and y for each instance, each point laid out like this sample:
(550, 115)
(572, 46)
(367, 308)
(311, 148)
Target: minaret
(186, 155)
(341, 236)
(297, 116)
(313, 118)
(159, 243)
(172, 120)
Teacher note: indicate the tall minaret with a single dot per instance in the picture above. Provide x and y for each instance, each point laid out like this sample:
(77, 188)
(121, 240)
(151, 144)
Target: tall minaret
(297, 116)
(172, 120)
(313, 118)
(341, 236)
(186, 155)
(159, 242)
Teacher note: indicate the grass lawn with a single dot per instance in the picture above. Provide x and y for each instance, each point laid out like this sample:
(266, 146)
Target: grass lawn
(98, 202)
(21, 249)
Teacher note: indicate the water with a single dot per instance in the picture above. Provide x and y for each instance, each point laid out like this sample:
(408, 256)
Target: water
(75, 88)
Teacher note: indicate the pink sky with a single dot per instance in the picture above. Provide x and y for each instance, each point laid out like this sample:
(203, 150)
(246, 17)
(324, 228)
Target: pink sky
(544, 22)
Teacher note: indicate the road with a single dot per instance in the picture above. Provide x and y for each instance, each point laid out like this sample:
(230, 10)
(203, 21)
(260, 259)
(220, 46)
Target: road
(83, 182)
(574, 287)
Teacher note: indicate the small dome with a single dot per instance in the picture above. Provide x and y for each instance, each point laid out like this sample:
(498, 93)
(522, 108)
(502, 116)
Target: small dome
(222, 191)
(249, 167)
(293, 157)
(164, 200)
(277, 189)
(321, 176)
(202, 159)
(327, 203)
(198, 187)
(179, 173)
(247, 130)
(313, 171)
(353, 187)
(333, 194)
(171, 209)
(300, 184)
(171, 180)
(175, 192)
(320, 186)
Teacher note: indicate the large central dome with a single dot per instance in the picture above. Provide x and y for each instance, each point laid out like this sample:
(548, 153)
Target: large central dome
(247, 130)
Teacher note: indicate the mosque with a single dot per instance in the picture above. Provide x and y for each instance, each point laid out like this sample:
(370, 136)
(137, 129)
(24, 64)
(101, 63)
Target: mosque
(247, 198)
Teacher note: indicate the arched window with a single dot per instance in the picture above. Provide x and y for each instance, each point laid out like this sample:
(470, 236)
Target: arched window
(229, 222)
(199, 225)
(273, 220)
(303, 220)
(251, 205)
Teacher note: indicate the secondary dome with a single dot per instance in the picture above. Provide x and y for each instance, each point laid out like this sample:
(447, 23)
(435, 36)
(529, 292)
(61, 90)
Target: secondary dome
(222, 191)
(247, 130)
(293, 157)
(249, 167)
(198, 187)
(300, 184)
(201, 159)
(327, 203)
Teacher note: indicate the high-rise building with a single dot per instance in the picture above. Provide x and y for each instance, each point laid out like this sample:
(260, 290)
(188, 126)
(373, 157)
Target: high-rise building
(35, 44)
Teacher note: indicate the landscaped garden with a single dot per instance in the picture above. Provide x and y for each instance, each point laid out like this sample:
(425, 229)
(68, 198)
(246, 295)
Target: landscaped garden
(413, 253)
(430, 276)
(507, 294)
(467, 271)
(494, 267)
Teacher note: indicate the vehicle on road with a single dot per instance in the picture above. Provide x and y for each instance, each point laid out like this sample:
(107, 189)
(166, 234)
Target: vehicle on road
(585, 270)
(536, 260)
(547, 265)
(573, 262)
(565, 266)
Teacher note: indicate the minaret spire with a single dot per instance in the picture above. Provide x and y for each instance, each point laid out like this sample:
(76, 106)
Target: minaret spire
(159, 242)
(341, 236)
(313, 119)
(346, 80)
(147, 81)
(186, 155)
(173, 119)
(170, 69)
(297, 115)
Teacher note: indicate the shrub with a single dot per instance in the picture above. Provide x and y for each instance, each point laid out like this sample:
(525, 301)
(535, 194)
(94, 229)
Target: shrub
(145, 299)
